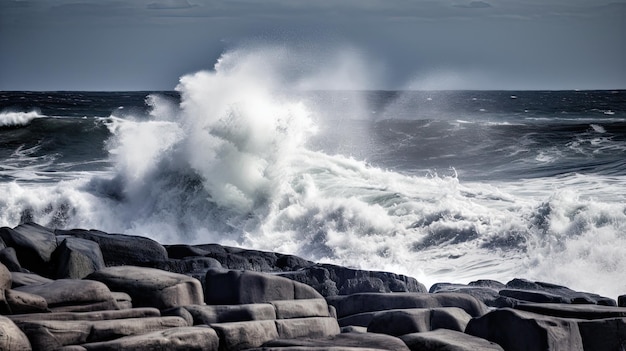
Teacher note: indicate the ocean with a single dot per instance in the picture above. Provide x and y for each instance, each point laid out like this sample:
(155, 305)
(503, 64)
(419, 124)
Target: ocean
(444, 186)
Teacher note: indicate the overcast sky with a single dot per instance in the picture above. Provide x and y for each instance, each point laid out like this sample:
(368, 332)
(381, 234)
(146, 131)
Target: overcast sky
(406, 44)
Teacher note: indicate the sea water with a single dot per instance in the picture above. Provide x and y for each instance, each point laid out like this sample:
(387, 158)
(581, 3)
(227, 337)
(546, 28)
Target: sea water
(439, 185)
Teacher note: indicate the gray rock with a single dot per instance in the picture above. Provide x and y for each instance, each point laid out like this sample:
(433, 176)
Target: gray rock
(231, 287)
(53, 334)
(179, 312)
(24, 279)
(149, 287)
(534, 296)
(344, 340)
(123, 300)
(416, 320)
(33, 244)
(6, 279)
(574, 310)
(568, 295)
(603, 334)
(181, 338)
(73, 295)
(447, 340)
(301, 308)
(520, 330)
(112, 329)
(11, 337)
(209, 314)
(121, 249)
(313, 327)
(370, 302)
(76, 258)
(8, 257)
(621, 301)
(245, 335)
(88, 316)
(331, 280)
(23, 302)
(482, 290)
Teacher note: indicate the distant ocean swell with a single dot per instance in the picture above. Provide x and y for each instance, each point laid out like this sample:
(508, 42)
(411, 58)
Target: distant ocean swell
(240, 161)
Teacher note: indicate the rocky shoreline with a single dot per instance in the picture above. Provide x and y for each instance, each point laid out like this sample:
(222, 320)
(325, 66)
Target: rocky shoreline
(90, 290)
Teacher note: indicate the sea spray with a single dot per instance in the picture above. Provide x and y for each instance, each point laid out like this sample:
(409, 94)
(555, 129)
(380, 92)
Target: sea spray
(239, 157)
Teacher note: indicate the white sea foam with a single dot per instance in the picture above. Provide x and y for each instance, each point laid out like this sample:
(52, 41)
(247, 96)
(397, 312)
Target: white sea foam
(16, 119)
(230, 164)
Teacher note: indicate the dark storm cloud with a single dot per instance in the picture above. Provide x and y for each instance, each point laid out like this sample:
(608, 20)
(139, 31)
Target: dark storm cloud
(148, 44)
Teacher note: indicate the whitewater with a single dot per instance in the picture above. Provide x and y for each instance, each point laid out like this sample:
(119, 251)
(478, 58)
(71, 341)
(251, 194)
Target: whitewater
(244, 155)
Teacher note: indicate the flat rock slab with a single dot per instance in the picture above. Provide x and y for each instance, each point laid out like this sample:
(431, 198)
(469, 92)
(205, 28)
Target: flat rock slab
(121, 249)
(245, 335)
(314, 327)
(23, 302)
(233, 287)
(88, 316)
(208, 314)
(407, 321)
(286, 309)
(149, 287)
(447, 340)
(370, 302)
(344, 340)
(182, 338)
(65, 293)
(22, 279)
(11, 337)
(54, 334)
(574, 311)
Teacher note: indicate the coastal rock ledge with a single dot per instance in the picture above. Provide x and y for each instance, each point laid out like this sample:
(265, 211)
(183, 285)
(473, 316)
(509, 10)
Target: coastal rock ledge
(90, 290)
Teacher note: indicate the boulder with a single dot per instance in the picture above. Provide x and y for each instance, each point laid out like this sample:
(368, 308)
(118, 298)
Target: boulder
(73, 295)
(301, 308)
(232, 287)
(76, 258)
(245, 335)
(23, 302)
(149, 287)
(6, 279)
(331, 280)
(121, 249)
(53, 334)
(88, 316)
(181, 338)
(621, 301)
(313, 327)
(8, 257)
(574, 311)
(209, 314)
(566, 294)
(603, 334)
(370, 302)
(520, 330)
(487, 293)
(195, 267)
(416, 320)
(123, 300)
(179, 312)
(447, 340)
(534, 296)
(24, 279)
(344, 341)
(33, 244)
(11, 337)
